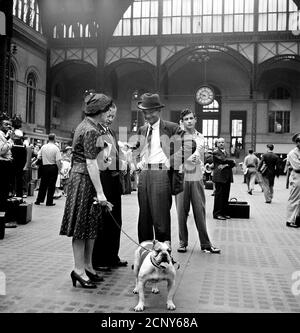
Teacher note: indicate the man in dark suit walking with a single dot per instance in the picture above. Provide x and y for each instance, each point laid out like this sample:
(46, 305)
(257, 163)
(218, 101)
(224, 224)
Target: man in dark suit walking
(222, 177)
(156, 164)
(269, 168)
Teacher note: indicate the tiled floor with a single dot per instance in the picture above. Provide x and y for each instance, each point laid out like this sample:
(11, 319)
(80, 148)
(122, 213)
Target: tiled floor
(252, 274)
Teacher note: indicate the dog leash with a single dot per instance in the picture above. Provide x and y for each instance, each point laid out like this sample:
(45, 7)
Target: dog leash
(173, 261)
(109, 212)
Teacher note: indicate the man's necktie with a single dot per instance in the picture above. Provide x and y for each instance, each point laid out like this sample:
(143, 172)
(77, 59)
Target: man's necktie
(149, 137)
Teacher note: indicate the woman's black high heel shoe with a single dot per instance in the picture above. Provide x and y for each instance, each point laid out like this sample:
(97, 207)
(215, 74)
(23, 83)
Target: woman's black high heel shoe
(84, 284)
(94, 277)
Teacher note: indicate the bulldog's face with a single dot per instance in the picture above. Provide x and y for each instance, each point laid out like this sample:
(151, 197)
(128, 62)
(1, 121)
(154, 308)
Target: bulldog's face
(162, 252)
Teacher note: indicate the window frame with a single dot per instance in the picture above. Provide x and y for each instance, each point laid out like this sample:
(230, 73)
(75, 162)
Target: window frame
(31, 87)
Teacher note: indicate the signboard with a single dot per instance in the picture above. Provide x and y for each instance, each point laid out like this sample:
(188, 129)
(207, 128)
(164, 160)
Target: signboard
(39, 130)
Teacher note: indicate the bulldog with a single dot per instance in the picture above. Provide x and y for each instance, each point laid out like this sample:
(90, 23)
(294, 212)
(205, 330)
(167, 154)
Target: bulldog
(153, 262)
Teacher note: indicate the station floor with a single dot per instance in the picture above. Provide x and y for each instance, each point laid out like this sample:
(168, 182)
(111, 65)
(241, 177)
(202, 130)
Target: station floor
(258, 270)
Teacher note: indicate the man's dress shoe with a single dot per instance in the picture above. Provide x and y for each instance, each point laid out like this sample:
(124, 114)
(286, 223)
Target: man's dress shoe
(219, 217)
(120, 263)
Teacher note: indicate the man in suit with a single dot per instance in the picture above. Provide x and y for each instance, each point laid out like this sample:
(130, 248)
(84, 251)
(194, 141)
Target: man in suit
(107, 244)
(269, 168)
(157, 164)
(222, 177)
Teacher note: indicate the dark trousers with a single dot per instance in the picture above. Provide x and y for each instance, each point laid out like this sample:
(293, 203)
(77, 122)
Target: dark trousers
(155, 201)
(26, 180)
(5, 179)
(48, 180)
(221, 198)
(107, 243)
(18, 182)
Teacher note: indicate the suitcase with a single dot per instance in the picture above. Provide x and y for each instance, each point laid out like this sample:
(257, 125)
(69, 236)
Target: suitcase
(238, 209)
(11, 210)
(24, 213)
(209, 185)
(2, 225)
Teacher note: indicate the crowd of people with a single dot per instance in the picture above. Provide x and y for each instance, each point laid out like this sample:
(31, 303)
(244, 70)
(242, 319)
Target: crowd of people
(163, 160)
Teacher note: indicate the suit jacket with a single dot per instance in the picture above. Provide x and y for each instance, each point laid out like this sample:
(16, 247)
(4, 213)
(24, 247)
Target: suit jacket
(222, 175)
(272, 161)
(116, 155)
(171, 144)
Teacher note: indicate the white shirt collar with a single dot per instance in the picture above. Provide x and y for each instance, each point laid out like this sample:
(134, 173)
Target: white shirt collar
(155, 125)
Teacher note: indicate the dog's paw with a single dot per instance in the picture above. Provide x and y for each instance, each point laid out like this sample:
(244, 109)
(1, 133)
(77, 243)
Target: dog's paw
(140, 307)
(135, 291)
(171, 305)
(155, 290)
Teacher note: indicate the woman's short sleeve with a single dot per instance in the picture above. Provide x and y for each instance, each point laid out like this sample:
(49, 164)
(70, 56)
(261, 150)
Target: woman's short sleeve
(91, 150)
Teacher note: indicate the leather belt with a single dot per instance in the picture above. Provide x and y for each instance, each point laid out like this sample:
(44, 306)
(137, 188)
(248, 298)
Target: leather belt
(156, 166)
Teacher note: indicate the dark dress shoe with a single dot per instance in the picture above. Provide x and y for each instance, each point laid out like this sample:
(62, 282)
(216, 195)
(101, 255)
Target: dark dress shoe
(181, 249)
(37, 203)
(102, 268)
(211, 249)
(292, 225)
(94, 277)
(88, 284)
(219, 217)
(53, 204)
(120, 263)
(227, 217)
(10, 225)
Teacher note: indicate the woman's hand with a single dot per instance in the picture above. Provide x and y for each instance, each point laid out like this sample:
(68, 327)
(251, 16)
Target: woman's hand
(101, 199)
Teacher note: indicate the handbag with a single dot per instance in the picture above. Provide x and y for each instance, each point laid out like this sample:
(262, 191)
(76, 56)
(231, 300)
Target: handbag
(39, 162)
(238, 209)
(263, 168)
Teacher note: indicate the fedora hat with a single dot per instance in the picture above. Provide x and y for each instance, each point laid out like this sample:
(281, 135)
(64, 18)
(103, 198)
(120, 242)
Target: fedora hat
(150, 101)
(295, 137)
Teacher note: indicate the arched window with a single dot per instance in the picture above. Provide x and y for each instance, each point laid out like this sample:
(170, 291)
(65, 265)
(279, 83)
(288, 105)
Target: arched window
(55, 32)
(30, 98)
(210, 122)
(80, 30)
(76, 30)
(70, 33)
(28, 12)
(87, 31)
